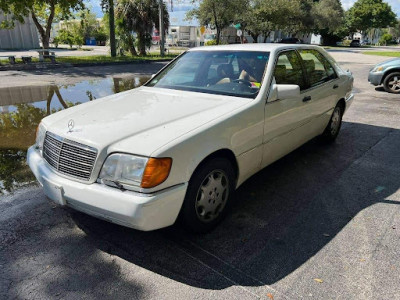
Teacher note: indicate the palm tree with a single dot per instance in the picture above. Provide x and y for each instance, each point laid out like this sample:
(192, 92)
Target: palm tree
(140, 16)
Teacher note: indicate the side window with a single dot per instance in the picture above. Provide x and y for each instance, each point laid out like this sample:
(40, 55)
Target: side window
(288, 69)
(328, 67)
(318, 69)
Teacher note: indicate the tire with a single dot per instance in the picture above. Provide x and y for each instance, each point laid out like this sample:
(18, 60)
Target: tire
(335, 123)
(209, 195)
(391, 84)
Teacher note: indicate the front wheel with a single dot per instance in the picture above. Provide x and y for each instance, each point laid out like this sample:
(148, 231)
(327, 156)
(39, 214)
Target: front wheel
(391, 84)
(209, 195)
(335, 123)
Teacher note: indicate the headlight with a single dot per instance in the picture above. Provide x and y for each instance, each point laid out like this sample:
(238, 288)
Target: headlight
(378, 69)
(40, 134)
(123, 170)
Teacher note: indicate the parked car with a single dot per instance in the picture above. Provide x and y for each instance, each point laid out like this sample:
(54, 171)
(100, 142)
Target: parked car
(181, 144)
(386, 73)
(355, 43)
(291, 41)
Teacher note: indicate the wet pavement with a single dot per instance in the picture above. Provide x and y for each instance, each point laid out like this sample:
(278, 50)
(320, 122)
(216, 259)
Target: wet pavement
(22, 108)
(321, 223)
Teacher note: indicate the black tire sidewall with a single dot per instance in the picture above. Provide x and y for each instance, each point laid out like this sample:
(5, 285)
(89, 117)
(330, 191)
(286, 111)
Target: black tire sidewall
(327, 135)
(188, 215)
(386, 80)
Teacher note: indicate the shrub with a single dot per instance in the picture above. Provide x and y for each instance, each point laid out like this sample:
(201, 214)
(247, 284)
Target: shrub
(385, 39)
(210, 43)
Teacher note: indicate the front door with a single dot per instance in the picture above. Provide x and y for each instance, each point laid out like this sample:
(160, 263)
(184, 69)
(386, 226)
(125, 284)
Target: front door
(285, 118)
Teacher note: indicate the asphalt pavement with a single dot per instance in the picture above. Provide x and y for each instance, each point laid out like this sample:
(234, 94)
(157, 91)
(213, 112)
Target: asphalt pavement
(321, 223)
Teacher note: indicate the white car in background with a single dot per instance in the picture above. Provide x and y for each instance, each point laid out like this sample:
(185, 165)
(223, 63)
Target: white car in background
(181, 144)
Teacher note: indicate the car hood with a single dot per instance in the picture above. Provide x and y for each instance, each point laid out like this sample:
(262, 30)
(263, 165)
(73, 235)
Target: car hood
(390, 62)
(147, 117)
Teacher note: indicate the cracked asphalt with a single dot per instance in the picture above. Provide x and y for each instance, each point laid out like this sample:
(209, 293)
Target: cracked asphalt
(321, 223)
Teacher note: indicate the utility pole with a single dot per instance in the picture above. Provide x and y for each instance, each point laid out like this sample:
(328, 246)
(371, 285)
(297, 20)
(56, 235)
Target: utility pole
(161, 29)
(112, 28)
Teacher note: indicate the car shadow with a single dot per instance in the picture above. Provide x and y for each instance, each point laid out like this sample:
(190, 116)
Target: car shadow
(380, 89)
(281, 218)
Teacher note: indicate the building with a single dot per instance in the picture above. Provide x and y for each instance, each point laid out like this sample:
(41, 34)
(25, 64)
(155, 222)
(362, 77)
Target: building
(22, 36)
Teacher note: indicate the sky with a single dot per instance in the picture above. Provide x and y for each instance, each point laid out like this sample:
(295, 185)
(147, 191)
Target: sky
(182, 5)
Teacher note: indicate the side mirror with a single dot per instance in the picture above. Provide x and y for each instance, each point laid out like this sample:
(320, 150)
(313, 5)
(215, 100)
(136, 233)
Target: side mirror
(287, 91)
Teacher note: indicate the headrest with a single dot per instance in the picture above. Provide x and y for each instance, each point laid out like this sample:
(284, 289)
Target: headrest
(225, 70)
(309, 64)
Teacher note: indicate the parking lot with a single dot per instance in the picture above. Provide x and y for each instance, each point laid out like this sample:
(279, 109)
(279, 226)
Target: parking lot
(321, 223)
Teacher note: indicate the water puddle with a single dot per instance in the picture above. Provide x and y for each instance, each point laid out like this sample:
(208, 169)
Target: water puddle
(22, 108)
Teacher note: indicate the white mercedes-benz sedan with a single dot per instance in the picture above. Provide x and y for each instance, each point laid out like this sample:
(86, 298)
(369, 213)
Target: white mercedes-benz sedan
(181, 144)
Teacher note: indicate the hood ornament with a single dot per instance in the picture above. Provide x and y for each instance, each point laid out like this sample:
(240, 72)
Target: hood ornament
(71, 125)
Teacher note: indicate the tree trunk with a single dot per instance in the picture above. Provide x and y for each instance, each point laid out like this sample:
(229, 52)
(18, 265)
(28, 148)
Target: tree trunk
(45, 33)
(255, 37)
(45, 42)
(113, 47)
(142, 44)
(131, 46)
(218, 35)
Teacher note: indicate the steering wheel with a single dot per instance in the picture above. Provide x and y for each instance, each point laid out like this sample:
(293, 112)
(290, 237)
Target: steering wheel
(243, 81)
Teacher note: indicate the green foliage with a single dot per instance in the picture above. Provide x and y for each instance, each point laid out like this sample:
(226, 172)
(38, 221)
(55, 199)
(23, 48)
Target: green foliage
(100, 34)
(88, 23)
(218, 13)
(328, 16)
(210, 43)
(367, 14)
(385, 39)
(66, 37)
(43, 12)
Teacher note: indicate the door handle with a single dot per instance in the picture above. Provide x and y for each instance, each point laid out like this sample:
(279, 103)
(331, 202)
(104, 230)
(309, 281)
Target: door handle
(307, 98)
(335, 86)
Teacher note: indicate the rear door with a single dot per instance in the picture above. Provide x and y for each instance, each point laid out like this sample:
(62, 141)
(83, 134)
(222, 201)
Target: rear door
(322, 88)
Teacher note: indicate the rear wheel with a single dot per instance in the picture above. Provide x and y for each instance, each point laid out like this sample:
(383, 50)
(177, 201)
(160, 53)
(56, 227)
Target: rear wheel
(391, 83)
(332, 130)
(209, 194)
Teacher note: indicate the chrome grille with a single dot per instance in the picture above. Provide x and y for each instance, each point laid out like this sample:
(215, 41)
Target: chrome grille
(69, 157)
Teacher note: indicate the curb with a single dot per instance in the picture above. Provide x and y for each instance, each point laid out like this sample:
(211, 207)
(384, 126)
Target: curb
(41, 66)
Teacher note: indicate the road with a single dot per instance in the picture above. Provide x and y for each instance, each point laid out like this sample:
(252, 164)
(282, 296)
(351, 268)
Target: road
(321, 223)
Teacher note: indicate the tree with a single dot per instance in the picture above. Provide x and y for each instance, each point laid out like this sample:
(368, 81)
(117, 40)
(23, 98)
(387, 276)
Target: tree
(141, 16)
(328, 20)
(43, 12)
(218, 13)
(264, 16)
(368, 14)
(87, 23)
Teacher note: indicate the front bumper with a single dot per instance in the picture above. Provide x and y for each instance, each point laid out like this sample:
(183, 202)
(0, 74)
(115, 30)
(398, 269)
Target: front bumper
(375, 78)
(127, 208)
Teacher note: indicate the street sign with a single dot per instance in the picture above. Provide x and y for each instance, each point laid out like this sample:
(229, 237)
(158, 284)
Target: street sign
(202, 29)
(239, 33)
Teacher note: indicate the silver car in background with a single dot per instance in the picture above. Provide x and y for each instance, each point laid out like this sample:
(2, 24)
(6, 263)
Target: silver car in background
(386, 73)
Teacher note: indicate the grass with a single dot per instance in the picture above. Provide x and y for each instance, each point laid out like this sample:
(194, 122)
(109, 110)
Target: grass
(383, 53)
(98, 59)
(104, 59)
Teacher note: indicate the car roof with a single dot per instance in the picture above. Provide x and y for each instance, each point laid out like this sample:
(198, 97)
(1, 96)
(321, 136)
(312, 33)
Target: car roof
(263, 47)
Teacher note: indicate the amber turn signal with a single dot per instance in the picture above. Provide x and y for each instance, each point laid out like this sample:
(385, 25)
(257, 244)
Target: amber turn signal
(156, 172)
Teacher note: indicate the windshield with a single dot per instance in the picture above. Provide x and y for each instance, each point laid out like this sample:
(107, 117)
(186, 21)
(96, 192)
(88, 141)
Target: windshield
(232, 73)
